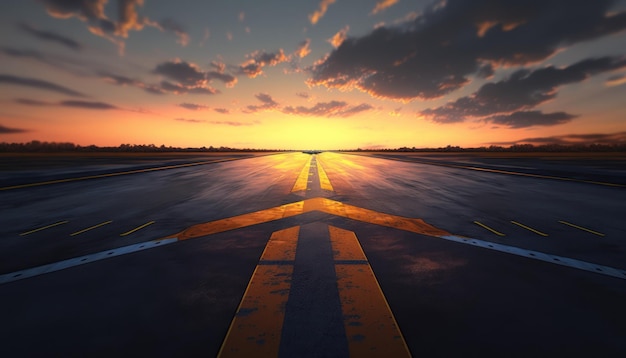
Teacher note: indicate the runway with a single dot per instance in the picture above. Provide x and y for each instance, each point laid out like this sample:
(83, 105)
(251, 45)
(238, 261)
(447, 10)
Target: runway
(330, 254)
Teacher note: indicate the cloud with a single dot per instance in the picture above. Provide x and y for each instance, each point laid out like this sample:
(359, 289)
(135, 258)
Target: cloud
(182, 72)
(221, 110)
(39, 84)
(190, 120)
(223, 123)
(383, 5)
(524, 119)
(253, 67)
(303, 95)
(436, 53)
(328, 109)
(51, 36)
(170, 25)
(242, 16)
(189, 78)
(522, 90)
(69, 103)
(569, 139)
(319, 13)
(9, 130)
(93, 13)
(339, 37)
(193, 106)
(87, 105)
(267, 103)
(228, 80)
(615, 80)
(303, 48)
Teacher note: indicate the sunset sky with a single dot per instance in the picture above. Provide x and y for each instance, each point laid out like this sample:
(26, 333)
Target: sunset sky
(316, 74)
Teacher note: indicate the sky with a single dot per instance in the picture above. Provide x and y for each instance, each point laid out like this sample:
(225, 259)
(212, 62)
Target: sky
(316, 74)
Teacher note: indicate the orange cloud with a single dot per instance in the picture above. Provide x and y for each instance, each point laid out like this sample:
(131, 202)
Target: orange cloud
(339, 37)
(319, 13)
(382, 5)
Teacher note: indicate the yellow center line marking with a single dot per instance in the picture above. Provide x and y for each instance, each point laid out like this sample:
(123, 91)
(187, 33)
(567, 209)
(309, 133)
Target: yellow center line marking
(529, 228)
(115, 174)
(324, 181)
(45, 227)
(581, 228)
(256, 329)
(371, 328)
(90, 228)
(488, 228)
(137, 228)
(301, 182)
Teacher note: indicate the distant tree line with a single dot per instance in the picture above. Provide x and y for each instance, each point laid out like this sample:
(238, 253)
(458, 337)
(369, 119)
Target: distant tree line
(517, 148)
(36, 146)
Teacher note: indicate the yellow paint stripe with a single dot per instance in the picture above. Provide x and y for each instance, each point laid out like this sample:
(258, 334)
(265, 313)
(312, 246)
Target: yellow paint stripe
(320, 204)
(282, 245)
(137, 228)
(256, 328)
(91, 228)
(529, 228)
(45, 227)
(67, 180)
(581, 228)
(370, 326)
(488, 228)
(321, 173)
(303, 178)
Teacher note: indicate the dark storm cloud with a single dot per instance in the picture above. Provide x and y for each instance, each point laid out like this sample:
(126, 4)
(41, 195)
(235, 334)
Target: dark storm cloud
(39, 84)
(531, 118)
(434, 54)
(193, 106)
(51, 36)
(328, 109)
(522, 90)
(568, 139)
(9, 130)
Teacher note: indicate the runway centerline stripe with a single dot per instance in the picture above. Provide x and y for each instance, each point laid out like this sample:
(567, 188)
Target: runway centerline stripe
(488, 228)
(67, 180)
(581, 228)
(137, 228)
(45, 227)
(371, 328)
(255, 331)
(324, 181)
(91, 228)
(301, 181)
(529, 228)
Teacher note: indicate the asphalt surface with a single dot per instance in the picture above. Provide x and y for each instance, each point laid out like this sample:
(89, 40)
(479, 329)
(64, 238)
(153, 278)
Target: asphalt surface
(448, 297)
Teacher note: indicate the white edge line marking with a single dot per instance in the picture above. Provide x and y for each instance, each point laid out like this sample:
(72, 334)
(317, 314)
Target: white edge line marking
(81, 260)
(559, 260)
